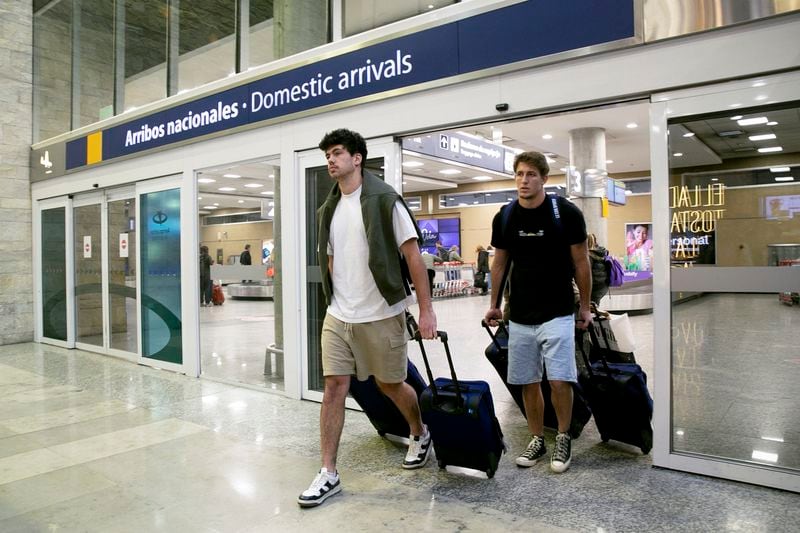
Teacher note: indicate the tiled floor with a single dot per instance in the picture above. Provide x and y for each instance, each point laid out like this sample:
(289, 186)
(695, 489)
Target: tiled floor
(91, 443)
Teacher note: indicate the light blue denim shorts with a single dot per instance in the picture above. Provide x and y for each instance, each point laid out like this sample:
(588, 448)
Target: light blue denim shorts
(551, 343)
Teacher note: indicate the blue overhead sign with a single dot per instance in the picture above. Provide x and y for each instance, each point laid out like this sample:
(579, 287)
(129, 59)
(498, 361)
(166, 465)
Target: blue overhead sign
(412, 60)
(463, 149)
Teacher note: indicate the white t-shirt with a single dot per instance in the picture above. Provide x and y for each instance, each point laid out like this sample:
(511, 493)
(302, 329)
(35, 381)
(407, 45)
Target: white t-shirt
(356, 297)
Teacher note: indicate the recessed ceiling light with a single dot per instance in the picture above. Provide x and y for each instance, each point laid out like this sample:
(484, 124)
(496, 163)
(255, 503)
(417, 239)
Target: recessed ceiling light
(268, 193)
(563, 169)
(271, 176)
(736, 117)
(752, 121)
(253, 185)
(206, 180)
(735, 105)
(759, 84)
(678, 154)
(449, 171)
(547, 136)
(227, 189)
(241, 201)
(771, 149)
(760, 97)
(482, 178)
(200, 197)
(779, 169)
(412, 164)
(763, 137)
(688, 134)
(609, 161)
(772, 123)
(216, 203)
(714, 179)
(784, 178)
(210, 207)
(232, 176)
(631, 125)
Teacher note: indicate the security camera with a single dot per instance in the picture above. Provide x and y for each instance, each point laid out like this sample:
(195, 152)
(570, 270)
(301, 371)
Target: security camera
(501, 107)
(95, 185)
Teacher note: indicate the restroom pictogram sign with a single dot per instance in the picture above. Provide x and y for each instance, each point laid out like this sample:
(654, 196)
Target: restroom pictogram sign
(87, 246)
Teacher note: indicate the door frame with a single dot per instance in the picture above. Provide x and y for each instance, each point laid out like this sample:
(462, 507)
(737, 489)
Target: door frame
(84, 200)
(43, 205)
(664, 106)
(391, 152)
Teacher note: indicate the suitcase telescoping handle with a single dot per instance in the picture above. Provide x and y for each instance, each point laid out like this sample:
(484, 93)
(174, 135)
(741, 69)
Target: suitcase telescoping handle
(413, 329)
(501, 326)
(595, 342)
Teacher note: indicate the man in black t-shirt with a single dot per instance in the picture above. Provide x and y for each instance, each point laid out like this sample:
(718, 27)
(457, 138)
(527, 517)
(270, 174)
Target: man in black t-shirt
(544, 237)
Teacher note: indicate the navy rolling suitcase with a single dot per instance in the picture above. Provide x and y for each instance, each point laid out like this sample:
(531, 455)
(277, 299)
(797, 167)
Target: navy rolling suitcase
(497, 354)
(380, 410)
(460, 416)
(620, 402)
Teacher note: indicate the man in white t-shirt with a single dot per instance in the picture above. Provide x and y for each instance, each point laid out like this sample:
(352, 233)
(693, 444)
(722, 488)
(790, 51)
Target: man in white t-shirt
(366, 232)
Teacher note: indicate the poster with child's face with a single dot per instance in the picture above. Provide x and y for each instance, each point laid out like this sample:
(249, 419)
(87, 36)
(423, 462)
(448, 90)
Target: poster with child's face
(638, 247)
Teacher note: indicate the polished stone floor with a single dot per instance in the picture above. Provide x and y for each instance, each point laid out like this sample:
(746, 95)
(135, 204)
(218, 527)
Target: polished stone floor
(92, 443)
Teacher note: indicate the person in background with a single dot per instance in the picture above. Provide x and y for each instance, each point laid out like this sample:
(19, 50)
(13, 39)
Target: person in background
(482, 269)
(600, 278)
(428, 259)
(442, 253)
(544, 238)
(453, 254)
(246, 259)
(364, 330)
(205, 276)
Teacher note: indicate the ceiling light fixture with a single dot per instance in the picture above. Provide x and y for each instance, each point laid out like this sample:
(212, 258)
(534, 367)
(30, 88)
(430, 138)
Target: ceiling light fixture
(253, 185)
(240, 201)
(609, 161)
(762, 137)
(200, 197)
(210, 207)
(231, 176)
(412, 164)
(735, 105)
(784, 178)
(678, 154)
(771, 149)
(482, 178)
(752, 121)
(714, 179)
(631, 125)
(449, 172)
(772, 123)
(227, 189)
(547, 136)
(267, 193)
(206, 180)
(688, 134)
(779, 169)
(736, 117)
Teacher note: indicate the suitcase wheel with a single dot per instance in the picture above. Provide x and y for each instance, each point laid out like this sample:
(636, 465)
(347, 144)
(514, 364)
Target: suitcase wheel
(442, 464)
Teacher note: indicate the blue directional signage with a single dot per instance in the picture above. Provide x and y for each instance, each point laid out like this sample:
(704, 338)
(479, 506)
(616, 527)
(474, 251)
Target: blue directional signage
(462, 148)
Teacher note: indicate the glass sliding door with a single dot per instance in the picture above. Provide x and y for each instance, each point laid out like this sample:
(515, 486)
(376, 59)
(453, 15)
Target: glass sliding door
(53, 254)
(122, 275)
(159, 226)
(729, 205)
(88, 253)
(383, 162)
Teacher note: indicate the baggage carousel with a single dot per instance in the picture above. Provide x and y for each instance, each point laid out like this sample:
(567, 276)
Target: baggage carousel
(250, 291)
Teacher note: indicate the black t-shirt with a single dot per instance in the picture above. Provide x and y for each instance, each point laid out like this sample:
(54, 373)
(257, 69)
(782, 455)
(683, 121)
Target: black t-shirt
(541, 277)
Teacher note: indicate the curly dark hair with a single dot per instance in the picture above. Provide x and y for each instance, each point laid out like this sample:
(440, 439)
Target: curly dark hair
(352, 141)
(535, 159)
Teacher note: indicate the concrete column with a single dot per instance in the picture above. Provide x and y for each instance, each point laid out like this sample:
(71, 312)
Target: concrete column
(587, 177)
(299, 25)
(16, 91)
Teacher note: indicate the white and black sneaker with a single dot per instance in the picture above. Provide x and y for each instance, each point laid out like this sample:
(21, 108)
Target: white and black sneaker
(326, 484)
(419, 449)
(562, 455)
(535, 451)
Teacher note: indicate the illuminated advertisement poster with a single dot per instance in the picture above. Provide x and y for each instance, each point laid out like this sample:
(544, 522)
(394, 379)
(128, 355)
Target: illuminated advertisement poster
(447, 230)
(638, 251)
(695, 211)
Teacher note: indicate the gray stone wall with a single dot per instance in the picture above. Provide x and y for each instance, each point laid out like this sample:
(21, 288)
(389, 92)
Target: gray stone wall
(16, 76)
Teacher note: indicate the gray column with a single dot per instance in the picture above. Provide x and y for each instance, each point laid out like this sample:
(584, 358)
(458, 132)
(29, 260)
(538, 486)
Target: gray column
(587, 177)
(299, 25)
(16, 91)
